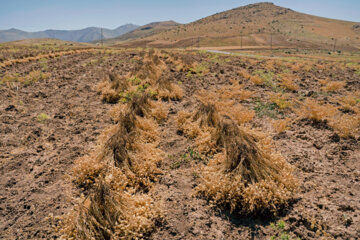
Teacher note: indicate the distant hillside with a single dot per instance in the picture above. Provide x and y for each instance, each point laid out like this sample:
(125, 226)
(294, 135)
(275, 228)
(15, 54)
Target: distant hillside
(144, 31)
(84, 35)
(256, 23)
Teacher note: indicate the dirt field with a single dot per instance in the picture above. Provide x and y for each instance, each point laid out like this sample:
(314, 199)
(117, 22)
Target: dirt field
(46, 125)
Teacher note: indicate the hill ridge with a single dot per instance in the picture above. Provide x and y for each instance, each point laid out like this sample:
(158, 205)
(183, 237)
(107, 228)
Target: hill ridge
(88, 34)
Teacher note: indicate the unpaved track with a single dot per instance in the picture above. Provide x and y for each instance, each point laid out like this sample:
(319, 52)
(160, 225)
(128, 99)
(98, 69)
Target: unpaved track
(35, 157)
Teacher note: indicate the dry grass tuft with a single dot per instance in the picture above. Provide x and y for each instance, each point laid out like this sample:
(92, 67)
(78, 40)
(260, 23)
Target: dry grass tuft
(244, 74)
(200, 125)
(281, 100)
(323, 81)
(346, 125)
(315, 111)
(334, 86)
(281, 125)
(167, 90)
(111, 87)
(287, 81)
(242, 115)
(234, 91)
(350, 100)
(296, 67)
(206, 115)
(257, 80)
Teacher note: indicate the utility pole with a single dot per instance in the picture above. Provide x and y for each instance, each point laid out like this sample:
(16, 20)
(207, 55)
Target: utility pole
(334, 45)
(271, 34)
(241, 36)
(102, 42)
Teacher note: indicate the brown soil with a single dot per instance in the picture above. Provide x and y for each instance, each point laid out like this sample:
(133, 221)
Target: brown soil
(36, 156)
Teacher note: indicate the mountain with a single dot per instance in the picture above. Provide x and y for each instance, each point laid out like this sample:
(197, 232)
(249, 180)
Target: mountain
(256, 25)
(144, 31)
(84, 35)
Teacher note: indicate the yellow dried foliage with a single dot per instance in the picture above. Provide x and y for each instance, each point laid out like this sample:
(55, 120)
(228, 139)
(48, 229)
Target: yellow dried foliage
(119, 172)
(247, 176)
(241, 115)
(313, 110)
(235, 91)
(281, 125)
(107, 214)
(346, 125)
(287, 81)
(257, 80)
(350, 100)
(168, 90)
(296, 67)
(244, 74)
(307, 67)
(334, 86)
(281, 100)
(323, 81)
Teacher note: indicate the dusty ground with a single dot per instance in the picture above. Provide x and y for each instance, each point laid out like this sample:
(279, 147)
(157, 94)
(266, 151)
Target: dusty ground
(36, 156)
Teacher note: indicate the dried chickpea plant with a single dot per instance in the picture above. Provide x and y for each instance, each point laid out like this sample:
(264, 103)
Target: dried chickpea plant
(118, 176)
(245, 174)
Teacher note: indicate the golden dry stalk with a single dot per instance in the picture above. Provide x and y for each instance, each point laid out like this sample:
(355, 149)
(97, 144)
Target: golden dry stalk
(118, 174)
(248, 176)
(313, 110)
(257, 80)
(334, 86)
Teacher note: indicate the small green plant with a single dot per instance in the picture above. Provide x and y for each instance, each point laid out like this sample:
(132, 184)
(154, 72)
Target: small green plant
(44, 64)
(176, 164)
(266, 109)
(9, 78)
(93, 61)
(152, 93)
(134, 80)
(199, 70)
(195, 174)
(42, 117)
(280, 234)
(281, 224)
(194, 155)
(185, 157)
(268, 77)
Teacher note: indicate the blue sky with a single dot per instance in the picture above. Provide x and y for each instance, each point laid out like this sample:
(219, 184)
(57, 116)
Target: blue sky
(36, 15)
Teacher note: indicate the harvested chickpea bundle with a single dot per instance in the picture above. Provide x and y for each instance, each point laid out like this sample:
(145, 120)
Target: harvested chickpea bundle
(145, 77)
(118, 176)
(245, 173)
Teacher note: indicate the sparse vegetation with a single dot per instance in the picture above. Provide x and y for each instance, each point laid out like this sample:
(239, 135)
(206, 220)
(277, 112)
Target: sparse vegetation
(42, 117)
(315, 111)
(334, 86)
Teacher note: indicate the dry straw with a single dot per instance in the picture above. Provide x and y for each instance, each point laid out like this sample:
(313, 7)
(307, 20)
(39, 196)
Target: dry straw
(244, 172)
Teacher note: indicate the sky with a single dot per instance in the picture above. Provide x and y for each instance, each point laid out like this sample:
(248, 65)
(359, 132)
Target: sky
(38, 15)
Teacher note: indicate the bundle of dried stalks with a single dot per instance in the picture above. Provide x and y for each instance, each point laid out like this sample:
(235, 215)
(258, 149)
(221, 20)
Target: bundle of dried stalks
(245, 174)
